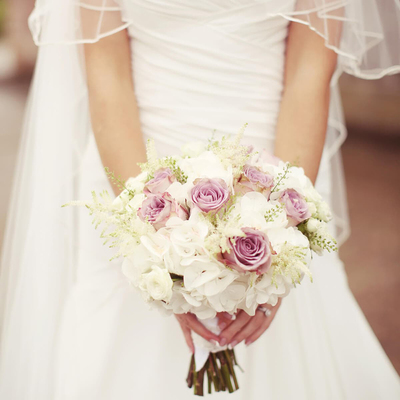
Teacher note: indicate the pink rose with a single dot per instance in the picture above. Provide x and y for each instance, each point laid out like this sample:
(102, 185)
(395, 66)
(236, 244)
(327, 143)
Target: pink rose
(209, 194)
(161, 181)
(253, 179)
(249, 253)
(157, 209)
(296, 206)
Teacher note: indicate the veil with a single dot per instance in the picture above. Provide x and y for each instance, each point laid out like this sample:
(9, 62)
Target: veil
(38, 258)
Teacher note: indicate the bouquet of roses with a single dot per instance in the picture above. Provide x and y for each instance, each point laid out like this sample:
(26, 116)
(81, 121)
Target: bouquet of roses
(219, 228)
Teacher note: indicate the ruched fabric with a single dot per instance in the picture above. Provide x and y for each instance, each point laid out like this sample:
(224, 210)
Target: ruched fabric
(72, 329)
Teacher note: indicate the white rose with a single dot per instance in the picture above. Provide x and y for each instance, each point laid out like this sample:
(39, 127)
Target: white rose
(313, 225)
(193, 149)
(157, 283)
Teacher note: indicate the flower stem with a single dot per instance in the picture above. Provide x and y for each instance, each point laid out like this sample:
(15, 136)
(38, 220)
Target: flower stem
(220, 371)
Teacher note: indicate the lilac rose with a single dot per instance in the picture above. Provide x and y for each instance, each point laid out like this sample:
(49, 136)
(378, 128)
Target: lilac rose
(158, 208)
(296, 206)
(249, 253)
(161, 181)
(253, 179)
(209, 194)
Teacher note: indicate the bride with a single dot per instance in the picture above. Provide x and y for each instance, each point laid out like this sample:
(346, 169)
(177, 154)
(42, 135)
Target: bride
(111, 74)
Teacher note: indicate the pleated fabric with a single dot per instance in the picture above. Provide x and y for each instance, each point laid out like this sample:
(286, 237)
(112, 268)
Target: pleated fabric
(71, 326)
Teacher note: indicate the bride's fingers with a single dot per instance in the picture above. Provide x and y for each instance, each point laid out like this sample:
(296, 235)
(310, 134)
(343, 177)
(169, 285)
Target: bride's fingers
(191, 321)
(224, 320)
(225, 315)
(187, 333)
(265, 325)
(228, 333)
(255, 323)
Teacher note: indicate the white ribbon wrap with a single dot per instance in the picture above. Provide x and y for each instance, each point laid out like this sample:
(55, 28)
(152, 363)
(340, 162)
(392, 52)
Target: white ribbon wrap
(203, 347)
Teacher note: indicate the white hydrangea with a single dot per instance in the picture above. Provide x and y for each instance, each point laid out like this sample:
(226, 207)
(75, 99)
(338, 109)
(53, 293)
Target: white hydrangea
(206, 165)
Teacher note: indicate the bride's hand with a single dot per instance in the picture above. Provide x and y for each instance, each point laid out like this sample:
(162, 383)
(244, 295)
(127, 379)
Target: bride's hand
(246, 327)
(189, 323)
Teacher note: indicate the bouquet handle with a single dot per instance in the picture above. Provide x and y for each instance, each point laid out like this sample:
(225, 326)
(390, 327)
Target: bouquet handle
(217, 362)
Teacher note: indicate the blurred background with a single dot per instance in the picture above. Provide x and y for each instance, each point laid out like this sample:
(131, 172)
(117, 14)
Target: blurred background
(371, 156)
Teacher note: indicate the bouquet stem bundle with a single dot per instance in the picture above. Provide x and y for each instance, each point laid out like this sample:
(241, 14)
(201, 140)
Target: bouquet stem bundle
(220, 371)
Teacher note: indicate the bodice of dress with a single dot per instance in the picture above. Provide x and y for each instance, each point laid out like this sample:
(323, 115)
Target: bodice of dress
(204, 66)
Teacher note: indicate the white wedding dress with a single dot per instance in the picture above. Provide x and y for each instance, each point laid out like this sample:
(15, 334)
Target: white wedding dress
(198, 66)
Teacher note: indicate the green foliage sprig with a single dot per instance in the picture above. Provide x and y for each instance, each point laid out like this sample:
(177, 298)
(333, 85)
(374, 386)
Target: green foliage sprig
(154, 163)
(117, 181)
(281, 176)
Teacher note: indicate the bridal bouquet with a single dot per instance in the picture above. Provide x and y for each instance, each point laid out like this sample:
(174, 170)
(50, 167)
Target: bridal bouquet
(219, 228)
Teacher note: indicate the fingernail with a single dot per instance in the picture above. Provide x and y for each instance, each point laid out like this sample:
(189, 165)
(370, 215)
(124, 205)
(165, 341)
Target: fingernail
(214, 342)
(249, 342)
(222, 325)
(234, 343)
(222, 342)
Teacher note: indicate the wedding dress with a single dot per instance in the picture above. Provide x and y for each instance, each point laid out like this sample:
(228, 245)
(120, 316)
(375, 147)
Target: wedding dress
(72, 328)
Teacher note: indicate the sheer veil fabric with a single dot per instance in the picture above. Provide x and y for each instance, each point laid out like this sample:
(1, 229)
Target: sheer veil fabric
(40, 253)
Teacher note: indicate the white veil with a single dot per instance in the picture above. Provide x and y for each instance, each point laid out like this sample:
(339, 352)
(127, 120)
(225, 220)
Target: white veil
(37, 268)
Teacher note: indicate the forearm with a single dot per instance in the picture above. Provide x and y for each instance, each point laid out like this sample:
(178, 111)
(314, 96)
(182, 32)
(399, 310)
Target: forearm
(116, 127)
(303, 117)
(301, 127)
(113, 107)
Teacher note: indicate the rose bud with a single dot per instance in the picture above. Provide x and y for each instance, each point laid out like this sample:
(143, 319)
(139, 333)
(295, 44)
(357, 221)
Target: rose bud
(296, 206)
(254, 180)
(249, 253)
(161, 181)
(157, 209)
(209, 194)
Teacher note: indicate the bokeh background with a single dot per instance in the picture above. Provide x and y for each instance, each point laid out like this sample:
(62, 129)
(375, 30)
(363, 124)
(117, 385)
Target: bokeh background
(371, 156)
